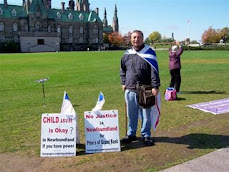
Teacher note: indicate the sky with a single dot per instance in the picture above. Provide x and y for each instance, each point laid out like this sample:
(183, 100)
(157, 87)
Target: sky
(183, 18)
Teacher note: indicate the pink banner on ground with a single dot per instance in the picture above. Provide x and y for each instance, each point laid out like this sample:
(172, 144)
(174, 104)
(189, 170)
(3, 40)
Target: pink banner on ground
(215, 107)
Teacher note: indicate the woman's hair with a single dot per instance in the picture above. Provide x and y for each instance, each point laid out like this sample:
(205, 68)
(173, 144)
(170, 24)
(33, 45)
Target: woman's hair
(174, 48)
(174, 43)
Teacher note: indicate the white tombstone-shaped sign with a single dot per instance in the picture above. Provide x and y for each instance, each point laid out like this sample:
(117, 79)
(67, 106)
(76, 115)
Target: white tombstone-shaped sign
(58, 135)
(101, 131)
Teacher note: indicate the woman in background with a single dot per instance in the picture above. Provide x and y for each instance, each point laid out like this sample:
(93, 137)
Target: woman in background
(175, 65)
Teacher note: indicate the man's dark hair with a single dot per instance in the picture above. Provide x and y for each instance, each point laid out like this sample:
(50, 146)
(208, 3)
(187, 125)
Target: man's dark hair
(138, 31)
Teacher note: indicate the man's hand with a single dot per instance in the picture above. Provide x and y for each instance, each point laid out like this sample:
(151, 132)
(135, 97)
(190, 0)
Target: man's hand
(155, 91)
(123, 87)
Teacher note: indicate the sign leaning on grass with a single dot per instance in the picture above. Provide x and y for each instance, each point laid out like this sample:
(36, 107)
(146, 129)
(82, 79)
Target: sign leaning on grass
(58, 135)
(101, 131)
(215, 107)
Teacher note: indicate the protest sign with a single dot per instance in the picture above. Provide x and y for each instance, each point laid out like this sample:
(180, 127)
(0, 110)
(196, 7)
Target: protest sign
(58, 135)
(215, 107)
(101, 131)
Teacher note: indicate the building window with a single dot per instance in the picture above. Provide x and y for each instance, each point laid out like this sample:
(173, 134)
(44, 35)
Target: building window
(81, 16)
(1, 12)
(15, 38)
(70, 30)
(40, 42)
(58, 15)
(81, 29)
(38, 12)
(14, 13)
(15, 28)
(81, 40)
(58, 29)
(26, 27)
(38, 26)
(95, 29)
(70, 16)
(71, 40)
(1, 26)
(96, 40)
(2, 38)
(49, 28)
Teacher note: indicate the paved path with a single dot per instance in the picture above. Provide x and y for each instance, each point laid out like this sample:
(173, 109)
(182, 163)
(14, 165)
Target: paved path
(217, 161)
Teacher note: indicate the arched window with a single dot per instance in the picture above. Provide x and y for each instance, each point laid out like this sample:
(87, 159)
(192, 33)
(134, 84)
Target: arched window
(26, 27)
(14, 12)
(81, 16)
(71, 40)
(1, 26)
(81, 29)
(49, 28)
(58, 15)
(1, 12)
(81, 40)
(2, 38)
(96, 40)
(15, 28)
(38, 26)
(96, 29)
(70, 16)
(70, 29)
(58, 29)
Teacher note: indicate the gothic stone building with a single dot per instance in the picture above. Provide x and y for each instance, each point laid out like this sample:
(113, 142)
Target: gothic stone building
(37, 27)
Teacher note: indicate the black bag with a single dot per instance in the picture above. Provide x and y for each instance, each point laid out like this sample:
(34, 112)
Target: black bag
(145, 96)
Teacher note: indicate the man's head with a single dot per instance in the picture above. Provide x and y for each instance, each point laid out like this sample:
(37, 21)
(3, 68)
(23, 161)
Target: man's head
(137, 39)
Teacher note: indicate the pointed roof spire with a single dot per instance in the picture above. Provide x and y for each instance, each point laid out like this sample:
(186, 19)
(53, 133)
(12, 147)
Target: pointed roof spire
(115, 8)
(115, 21)
(105, 18)
(105, 12)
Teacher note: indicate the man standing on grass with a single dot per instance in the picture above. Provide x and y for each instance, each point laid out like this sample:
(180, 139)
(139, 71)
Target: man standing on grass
(135, 68)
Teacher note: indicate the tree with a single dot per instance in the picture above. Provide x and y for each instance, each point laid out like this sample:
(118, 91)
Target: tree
(211, 36)
(154, 37)
(147, 41)
(106, 39)
(116, 39)
(224, 34)
(127, 39)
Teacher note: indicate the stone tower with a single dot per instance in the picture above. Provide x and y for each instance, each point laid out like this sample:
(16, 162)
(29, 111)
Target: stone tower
(115, 21)
(71, 5)
(82, 5)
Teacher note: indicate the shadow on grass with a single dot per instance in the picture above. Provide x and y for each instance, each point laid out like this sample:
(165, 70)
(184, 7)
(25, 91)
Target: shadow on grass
(180, 99)
(204, 92)
(133, 145)
(198, 141)
(193, 141)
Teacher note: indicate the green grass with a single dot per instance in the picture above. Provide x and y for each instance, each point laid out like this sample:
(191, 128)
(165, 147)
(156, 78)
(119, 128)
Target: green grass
(205, 76)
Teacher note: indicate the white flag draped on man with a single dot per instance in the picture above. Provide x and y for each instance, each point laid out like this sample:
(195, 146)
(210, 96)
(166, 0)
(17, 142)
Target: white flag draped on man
(149, 55)
(68, 109)
(156, 112)
(100, 103)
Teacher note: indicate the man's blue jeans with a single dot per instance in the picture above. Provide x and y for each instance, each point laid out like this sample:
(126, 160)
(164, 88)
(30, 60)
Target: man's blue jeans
(133, 110)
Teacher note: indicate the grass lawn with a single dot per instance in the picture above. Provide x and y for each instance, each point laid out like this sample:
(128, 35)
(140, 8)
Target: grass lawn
(183, 133)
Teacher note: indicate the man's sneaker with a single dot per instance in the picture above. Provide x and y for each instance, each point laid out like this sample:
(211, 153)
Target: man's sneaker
(148, 141)
(128, 139)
